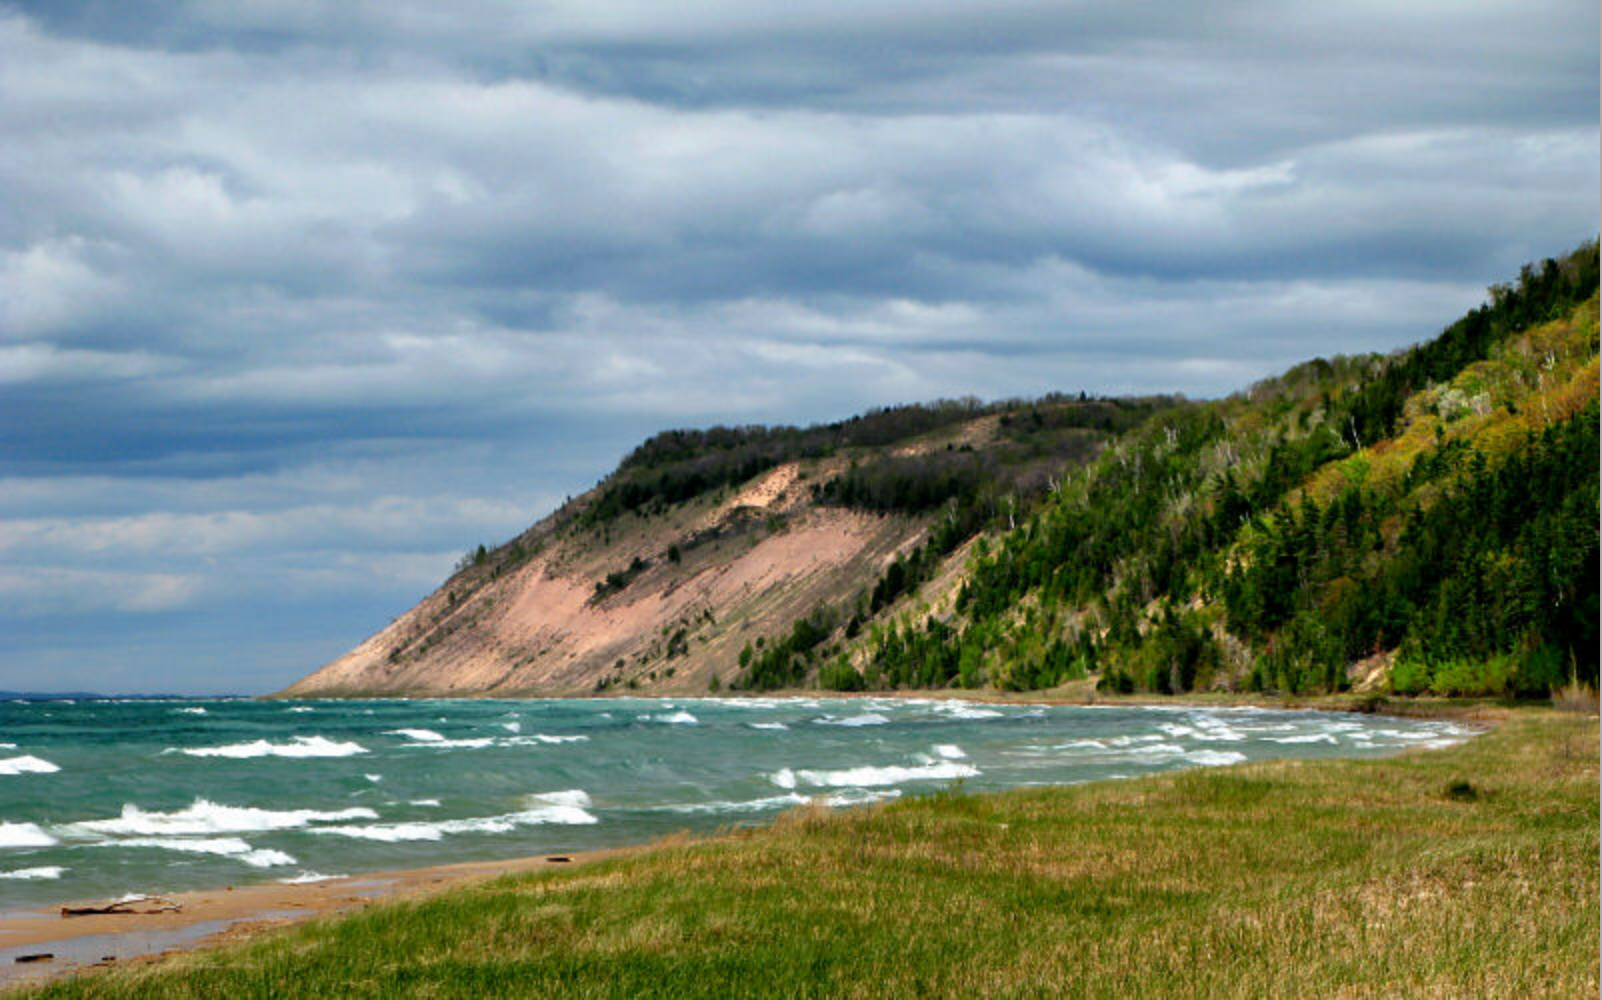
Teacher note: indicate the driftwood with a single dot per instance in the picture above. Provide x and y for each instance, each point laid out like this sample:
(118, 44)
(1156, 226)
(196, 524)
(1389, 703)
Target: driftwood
(151, 904)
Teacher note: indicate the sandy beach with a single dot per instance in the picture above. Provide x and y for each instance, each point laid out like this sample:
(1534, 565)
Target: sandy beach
(186, 920)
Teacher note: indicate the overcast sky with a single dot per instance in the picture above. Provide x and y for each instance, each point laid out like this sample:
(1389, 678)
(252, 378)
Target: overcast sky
(300, 300)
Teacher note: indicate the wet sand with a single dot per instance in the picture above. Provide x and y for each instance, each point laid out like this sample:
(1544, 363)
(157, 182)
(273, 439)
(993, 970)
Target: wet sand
(212, 916)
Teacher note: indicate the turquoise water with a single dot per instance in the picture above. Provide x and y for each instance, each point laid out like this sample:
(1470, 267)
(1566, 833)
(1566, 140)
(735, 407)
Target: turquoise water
(102, 798)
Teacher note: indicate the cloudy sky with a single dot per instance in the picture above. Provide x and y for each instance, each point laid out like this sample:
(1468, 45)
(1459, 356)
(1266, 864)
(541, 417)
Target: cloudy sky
(300, 300)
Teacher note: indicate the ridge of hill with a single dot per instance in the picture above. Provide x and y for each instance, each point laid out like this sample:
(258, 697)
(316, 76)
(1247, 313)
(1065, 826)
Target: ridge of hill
(1422, 521)
(702, 541)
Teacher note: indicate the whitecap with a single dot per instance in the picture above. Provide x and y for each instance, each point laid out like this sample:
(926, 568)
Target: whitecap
(860, 796)
(858, 777)
(1215, 758)
(679, 718)
(1304, 738)
(417, 735)
(43, 872)
(512, 727)
(723, 807)
(306, 878)
(576, 797)
(1155, 750)
(866, 719)
(203, 817)
(565, 815)
(301, 746)
(24, 835)
(949, 751)
(963, 710)
(784, 778)
(308, 708)
(1081, 745)
(374, 778)
(428, 803)
(767, 725)
(196, 710)
(232, 847)
(27, 764)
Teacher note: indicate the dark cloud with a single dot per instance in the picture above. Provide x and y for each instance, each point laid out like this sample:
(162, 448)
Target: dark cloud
(299, 300)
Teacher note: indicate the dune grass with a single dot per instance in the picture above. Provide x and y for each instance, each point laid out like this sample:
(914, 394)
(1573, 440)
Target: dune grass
(1471, 871)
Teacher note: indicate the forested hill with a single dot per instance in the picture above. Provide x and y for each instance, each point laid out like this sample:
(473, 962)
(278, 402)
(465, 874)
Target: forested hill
(1424, 521)
(1420, 521)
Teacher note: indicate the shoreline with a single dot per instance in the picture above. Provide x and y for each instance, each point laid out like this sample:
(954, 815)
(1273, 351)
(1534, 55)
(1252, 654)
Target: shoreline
(210, 917)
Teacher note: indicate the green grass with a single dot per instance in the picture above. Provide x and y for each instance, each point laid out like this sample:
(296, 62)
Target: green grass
(1464, 872)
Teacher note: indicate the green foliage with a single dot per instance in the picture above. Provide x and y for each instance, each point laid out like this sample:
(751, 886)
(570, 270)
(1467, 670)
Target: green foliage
(619, 579)
(839, 675)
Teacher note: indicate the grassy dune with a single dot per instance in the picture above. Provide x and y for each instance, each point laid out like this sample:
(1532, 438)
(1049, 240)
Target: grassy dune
(1463, 872)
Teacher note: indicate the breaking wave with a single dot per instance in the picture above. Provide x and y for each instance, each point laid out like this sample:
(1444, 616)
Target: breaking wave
(27, 765)
(205, 817)
(299, 746)
(24, 835)
(43, 872)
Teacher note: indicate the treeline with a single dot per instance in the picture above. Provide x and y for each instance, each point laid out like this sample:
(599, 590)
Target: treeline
(679, 465)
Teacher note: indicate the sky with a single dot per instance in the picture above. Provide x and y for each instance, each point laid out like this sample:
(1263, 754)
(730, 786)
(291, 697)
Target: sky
(301, 300)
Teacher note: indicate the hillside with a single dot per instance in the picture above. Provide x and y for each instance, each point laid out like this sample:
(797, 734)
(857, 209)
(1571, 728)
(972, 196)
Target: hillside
(703, 542)
(1419, 521)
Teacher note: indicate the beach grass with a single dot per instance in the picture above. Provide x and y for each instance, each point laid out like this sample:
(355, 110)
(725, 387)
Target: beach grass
(1468, 871)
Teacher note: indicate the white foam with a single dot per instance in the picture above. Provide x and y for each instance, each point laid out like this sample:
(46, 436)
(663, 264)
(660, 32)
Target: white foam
(860, 796)
(949, 751)
(784, 778)
(963, 710)
(308, 708)
(1304, 738)
(1081, 745)
(1213, 730)
(44, 872)
(542, 738)
(390, 833)
(374, 778)
(197, 710)
(575, 797)
(1124, 741)
(512, 727)
(1215, 758)
(866, 719)
(306, 878)
(679, 718)
(754, 805)
(27, 764)
(300, 746)
(417, 735)
(767, 725)
(1155, 750)
(428, 803)
(861, 777)
(232, 847)
(8, 746)
(203, 817)
(560, 814)
(24, 835)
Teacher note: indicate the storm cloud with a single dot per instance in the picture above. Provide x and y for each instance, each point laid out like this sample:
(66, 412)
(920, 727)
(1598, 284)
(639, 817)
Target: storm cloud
(299, 301)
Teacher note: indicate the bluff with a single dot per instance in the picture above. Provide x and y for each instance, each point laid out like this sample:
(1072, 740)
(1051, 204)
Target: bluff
(1418, 521)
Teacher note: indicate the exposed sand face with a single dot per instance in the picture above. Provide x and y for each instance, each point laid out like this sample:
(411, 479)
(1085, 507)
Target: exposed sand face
(542, 627)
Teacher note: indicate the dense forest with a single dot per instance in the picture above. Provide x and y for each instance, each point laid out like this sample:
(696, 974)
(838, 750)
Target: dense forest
(1433, 513)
